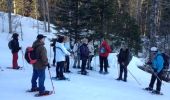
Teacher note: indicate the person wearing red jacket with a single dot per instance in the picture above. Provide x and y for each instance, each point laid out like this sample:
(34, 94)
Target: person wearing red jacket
(104, 51)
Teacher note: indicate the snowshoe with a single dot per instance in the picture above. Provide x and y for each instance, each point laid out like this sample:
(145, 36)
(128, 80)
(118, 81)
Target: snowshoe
(60, 79)
(45, 93)
(118, 79)
(156, 92)
(17, 68)
(83, 72)
(105, 73)
(33, 90)
(148, 89)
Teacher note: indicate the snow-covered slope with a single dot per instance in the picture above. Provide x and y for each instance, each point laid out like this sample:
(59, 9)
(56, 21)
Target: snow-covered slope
(14, 83)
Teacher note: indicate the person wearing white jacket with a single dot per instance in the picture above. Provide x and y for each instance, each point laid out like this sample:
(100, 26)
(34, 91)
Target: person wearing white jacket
(61, 52)
(76, 51)
(91, 54)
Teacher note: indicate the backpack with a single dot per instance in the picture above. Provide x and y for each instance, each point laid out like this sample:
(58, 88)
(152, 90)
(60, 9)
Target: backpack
(166, 61)
(30, 55)
(102, 49)
(10, 44)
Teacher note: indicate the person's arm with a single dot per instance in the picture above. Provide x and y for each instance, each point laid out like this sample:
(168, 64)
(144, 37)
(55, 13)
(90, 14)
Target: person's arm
(43, 55)
(65, 50)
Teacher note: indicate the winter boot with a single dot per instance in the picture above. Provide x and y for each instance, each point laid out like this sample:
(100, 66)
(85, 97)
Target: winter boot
(100, 71)
(106, 73)
(124, 80)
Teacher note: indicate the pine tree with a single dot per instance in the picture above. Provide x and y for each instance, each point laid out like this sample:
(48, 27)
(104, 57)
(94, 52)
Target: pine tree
(72, 16)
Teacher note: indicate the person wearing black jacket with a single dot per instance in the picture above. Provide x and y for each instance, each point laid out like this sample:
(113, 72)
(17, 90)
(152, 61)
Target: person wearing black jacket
(84, 54)
(54, 49)
(15, 49)
(123, 60)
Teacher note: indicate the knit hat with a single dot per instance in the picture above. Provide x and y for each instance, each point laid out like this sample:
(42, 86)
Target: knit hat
(84, 40)
(15, 35)
(154, 49)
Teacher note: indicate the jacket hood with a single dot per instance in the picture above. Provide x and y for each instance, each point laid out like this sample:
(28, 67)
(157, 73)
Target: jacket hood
(104, 43)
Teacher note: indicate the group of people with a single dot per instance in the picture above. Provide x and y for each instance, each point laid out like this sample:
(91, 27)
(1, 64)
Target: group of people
(82, 50)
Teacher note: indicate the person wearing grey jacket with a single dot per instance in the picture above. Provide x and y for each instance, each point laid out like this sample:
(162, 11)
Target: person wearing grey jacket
(40, 66)
(91, 54)
(76, 51)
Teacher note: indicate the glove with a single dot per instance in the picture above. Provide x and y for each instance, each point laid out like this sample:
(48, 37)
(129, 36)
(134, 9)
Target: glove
(48, 65)
(155, 71)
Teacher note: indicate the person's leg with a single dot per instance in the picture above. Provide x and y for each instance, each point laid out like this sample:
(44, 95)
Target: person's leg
(57, 70)
(83, 68)
(152, 81)
(159, 82)
(34, 79)
(125, 73)
(75, 61)
(41, 74)
(83, 65)
(78, 58)
(89, 62)
(61, 66)
(101, 64)
(14, 61)
(105, 64)
(120, 73)
(54, 59)
(68, 63)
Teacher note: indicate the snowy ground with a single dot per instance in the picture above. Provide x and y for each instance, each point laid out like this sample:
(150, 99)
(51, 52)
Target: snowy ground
(14, 83)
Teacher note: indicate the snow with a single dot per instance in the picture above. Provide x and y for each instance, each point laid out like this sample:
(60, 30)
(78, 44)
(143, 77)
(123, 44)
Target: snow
(14, 83)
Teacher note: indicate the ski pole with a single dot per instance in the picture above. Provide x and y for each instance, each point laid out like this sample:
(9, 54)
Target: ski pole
(157, 77)
(51, 79)
(134, 77)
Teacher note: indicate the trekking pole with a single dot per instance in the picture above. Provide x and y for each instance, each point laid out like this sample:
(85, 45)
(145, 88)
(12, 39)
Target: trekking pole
(134, 77)
(23, 63)
(51, 79)
(50, 54)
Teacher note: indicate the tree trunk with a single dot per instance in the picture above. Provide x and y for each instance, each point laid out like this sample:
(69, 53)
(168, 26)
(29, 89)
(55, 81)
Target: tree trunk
(48, 15)
(154, 21)
(9, 15)
(15, 9)
(44, 15)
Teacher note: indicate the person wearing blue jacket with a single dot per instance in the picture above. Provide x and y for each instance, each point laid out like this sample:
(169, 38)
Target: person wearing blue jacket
(157, 65)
